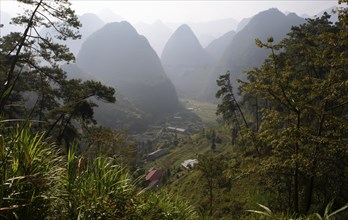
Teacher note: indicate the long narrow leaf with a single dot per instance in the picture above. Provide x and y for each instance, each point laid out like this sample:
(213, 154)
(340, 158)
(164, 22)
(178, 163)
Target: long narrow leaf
(259, 212)
(265, 208)
(339, 210)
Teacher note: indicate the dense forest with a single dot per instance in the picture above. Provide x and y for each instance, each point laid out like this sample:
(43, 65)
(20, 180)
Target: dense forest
(114, 131)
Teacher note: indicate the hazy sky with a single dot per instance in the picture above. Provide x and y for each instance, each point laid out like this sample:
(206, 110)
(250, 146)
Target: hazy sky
(182, 11)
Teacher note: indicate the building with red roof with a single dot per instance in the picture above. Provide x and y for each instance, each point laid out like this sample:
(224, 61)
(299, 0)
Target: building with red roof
(153, 177)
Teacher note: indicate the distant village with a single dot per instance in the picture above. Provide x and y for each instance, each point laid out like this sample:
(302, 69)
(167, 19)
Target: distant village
(181, 123)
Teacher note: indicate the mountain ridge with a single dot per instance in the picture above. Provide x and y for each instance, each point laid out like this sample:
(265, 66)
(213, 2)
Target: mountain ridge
(186, 62)
(242, 54)
(118, 56)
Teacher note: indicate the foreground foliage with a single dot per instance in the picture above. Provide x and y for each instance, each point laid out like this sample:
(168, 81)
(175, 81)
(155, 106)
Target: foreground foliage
(37, 182)
(266, 213)
(303, 128)
(29, 169)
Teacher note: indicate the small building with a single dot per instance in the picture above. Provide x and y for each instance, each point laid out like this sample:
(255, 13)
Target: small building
(181, 130)
(153, 178)
(156, 154)
(151, 169)
(188, 164)
(153, 175)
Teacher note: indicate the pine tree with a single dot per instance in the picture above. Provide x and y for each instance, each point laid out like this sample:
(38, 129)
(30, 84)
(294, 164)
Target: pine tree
(35, 86)
(33, 55)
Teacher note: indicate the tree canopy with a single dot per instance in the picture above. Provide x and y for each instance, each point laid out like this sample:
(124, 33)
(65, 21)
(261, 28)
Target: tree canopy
(34, 85)
(303, 128)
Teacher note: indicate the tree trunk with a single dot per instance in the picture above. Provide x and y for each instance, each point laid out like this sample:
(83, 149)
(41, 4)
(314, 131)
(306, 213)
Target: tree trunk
(289, 190)
(8, 87)
(310, 189)
(211, 198)
(296, 209)
(296, 172)
(257, 114)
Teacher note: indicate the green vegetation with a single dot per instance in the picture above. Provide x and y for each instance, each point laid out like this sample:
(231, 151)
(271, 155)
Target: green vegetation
(290, 126)
(302, 106)
(282, 142)
(38, 182)
(266, 213)
(63, 166)
(35, 86)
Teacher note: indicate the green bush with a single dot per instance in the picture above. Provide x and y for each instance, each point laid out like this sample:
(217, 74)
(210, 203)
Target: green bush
(38, 182)
(30, 168)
